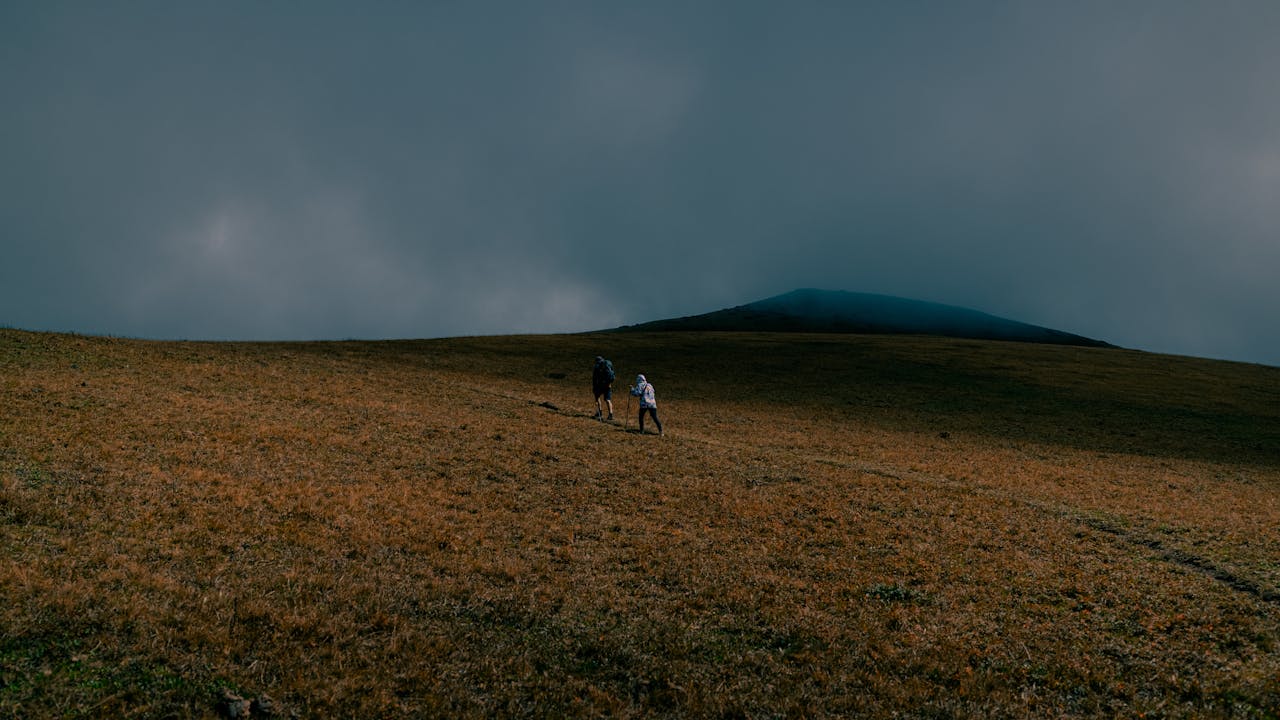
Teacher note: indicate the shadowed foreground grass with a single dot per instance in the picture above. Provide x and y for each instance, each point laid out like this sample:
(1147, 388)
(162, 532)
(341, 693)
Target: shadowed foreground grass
(834, 526)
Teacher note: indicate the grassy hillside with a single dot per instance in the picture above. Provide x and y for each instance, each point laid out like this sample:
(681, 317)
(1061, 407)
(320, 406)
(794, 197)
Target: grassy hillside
(833, 526)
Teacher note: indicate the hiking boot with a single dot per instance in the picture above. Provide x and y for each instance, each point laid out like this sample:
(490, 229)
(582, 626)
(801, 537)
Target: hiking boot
(610, 417)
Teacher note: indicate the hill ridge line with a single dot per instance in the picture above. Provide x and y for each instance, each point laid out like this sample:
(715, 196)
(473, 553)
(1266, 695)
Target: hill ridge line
(811, 310)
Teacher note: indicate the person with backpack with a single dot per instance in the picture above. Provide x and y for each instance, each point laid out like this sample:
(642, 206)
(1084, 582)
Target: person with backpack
(602, 387)
(648, 402)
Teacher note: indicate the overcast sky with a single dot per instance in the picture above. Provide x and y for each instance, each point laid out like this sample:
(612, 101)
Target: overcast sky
(309, 170)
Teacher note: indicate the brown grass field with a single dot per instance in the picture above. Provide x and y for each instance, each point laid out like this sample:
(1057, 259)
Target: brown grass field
(833, 526)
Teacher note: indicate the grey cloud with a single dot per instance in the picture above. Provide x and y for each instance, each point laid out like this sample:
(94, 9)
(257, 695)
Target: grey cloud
(258, 171)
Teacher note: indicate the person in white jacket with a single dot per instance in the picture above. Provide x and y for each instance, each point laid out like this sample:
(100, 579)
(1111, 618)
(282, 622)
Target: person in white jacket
(648, 403)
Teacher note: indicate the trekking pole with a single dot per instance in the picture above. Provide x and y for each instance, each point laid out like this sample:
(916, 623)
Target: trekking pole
(627, 425)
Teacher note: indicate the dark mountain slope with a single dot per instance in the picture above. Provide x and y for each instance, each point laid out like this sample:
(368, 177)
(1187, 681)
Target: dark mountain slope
(833, 311)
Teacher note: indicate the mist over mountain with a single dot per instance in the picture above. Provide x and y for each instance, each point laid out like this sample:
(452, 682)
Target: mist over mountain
(835, 311)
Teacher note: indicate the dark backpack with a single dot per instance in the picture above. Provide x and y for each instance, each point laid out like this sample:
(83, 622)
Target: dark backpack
(604, 373)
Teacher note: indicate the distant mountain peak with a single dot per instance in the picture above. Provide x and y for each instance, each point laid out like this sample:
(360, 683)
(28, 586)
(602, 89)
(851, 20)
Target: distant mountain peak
(840, 311)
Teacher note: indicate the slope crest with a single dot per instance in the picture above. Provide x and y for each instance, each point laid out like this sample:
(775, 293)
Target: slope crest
(837, 311)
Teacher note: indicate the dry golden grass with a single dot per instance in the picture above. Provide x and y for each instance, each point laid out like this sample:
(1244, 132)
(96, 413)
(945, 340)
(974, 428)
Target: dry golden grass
(834, 526)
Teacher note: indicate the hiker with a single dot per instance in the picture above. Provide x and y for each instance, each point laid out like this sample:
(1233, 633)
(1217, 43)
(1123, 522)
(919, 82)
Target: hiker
(602, 387)
(644, 390)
